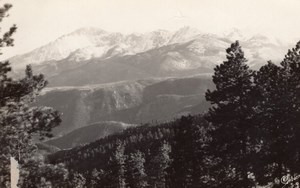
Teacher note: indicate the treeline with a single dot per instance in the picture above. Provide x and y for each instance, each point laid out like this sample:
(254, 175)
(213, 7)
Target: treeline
(256, 120)
(250, 136)
(145, 156)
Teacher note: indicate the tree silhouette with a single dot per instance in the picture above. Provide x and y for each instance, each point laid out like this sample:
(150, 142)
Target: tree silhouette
(160, 164)
(136, 170)
(20, 122)
(230, 114)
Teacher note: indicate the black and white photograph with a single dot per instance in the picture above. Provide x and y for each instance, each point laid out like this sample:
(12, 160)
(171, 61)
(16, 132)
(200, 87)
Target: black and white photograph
(149, 94)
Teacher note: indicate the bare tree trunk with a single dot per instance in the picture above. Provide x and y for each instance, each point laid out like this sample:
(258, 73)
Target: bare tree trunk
(14, 172)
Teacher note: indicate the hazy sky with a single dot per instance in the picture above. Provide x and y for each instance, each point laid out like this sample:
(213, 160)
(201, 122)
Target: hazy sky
(41, 21)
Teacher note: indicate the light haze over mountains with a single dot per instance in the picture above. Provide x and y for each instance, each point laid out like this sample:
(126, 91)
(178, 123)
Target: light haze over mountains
(97, 76)
(94, 56)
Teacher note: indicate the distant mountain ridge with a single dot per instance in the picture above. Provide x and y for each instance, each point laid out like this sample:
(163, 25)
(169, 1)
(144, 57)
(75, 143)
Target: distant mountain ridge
(96, 56)
(87, 43)
(131, 102)
(96, 76)
(88, 134)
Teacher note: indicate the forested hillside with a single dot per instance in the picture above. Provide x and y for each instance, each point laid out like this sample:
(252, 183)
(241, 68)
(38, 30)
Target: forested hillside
(142, 106)
(88, 134)
(249, 137)
(159, 154)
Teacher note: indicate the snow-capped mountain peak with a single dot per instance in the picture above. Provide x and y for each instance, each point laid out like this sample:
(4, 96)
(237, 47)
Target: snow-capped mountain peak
(185, 34)
(89, 43)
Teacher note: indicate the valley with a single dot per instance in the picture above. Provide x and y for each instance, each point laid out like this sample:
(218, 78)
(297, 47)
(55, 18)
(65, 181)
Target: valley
(130, 102)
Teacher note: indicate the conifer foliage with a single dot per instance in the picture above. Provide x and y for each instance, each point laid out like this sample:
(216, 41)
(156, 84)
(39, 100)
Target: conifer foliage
(255, 118)
(118, 169)
(160, 163)
(20, 122)
(231, 112)
(136, 171)
(270, 117)
(291, 74)
(250, 136)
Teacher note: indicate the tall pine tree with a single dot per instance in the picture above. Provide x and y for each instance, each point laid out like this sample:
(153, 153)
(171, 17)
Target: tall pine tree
(137, 177)
(291, 78)
(181, 169)
(278, 118)
(20, 121)
(120, 159)
(271, 117)
(230, 115)
(160, 164)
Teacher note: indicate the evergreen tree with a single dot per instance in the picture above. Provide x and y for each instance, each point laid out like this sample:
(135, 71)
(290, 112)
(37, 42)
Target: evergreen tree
(19, 120)
(117, 167)
(271, 116)
(77, 180)
(120, 161)
(96, 178)
(182, 154)
(160, 164)
(291, 69)
(231, 115)
(45, 184)
(35, 174)
(190, 157)
(202, 161)
(278, 117)
(291, 80)
(5, 41)
(136, 171)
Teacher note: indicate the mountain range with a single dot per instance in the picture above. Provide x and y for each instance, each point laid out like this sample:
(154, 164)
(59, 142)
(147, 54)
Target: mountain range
(101, 81)
(94, 56)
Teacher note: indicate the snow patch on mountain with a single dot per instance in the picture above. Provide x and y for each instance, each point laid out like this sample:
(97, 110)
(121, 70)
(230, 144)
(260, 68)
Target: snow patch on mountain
(191, 45)
(185, 34)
